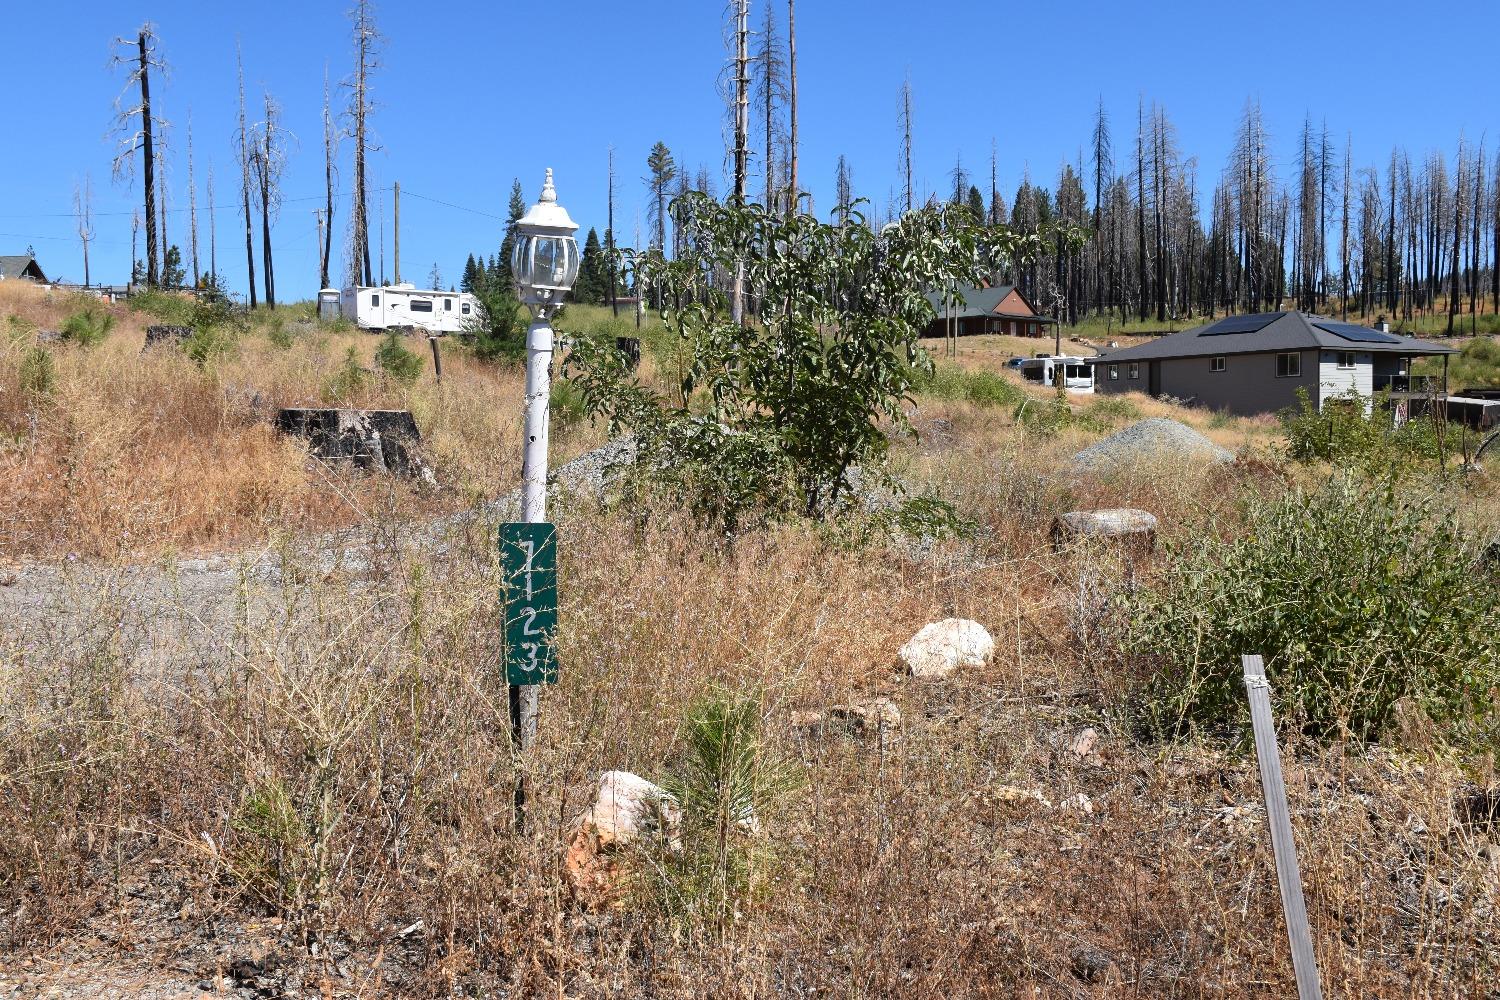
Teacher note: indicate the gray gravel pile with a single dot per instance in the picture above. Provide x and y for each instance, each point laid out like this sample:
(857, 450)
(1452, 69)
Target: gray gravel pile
(1150, 440)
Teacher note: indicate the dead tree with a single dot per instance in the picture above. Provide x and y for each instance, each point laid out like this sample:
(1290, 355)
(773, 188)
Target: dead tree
(741, 135)
(268, 163)
(139, 130)
(330, 148)
(213, 252)
(244, 156)
(906, 191)
(791, 56)
(771, 95)
(1344, 232)
(192, 203)
(366, 41)
(83, 199)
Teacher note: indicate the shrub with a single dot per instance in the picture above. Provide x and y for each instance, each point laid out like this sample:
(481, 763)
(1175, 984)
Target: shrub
(88, 326)
(726, 784)
(1356, 430)
(980, 387)
(165, 306)
(498, 328)
(208, 344)
(38, 374)
(1116, 409)
(396, 361)
(279, 335)
(347, 380)
(1358, 597)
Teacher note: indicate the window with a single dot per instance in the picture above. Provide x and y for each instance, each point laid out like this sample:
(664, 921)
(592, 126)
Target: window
(421, 306)
(1114, 372)
(374, 300)
(464, 308)
(1346, 359)
(1216, 364)
(448, 305)
(1289, 365)
(1135, 369)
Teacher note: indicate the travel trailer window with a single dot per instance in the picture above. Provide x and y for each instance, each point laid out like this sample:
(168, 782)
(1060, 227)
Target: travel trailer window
(374, 300)
(421, 306)
(464, 308)
(1216, 364)
(448, 305)
(1289, 366)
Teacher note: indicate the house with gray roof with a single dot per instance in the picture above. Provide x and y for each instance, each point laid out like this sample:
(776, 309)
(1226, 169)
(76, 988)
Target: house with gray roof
(1255, 364)
(995, 309)
(21, 267)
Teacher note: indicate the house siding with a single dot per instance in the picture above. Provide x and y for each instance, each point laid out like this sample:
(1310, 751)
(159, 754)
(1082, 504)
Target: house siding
(1014, 305)
(1334, 381)
(1248, 385)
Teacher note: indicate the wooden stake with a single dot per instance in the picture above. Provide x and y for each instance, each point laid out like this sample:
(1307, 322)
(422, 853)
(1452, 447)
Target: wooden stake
(1288, 875)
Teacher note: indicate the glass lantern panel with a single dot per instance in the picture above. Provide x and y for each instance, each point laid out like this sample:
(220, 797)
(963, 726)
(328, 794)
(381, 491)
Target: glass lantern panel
(520, 255)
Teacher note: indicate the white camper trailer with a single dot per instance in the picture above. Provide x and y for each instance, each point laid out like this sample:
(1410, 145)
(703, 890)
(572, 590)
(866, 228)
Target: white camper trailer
(1077, 373)
(385, 306)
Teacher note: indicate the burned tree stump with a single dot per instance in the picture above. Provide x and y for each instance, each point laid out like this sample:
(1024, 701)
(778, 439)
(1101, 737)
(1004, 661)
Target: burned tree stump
(630, 351)
(163, 336)
(377, 440)
(1135, 529)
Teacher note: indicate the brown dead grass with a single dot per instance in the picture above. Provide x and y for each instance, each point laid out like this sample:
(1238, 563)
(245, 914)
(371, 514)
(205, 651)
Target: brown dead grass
(134, 454)
(136, 778)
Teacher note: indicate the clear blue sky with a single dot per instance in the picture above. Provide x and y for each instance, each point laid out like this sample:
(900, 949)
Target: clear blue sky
(471, 95)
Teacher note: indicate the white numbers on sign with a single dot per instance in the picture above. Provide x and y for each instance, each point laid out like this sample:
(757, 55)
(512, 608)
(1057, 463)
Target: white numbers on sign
(530, 548)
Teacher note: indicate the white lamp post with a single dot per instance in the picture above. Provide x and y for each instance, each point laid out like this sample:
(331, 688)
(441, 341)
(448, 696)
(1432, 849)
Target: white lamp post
(544, 261)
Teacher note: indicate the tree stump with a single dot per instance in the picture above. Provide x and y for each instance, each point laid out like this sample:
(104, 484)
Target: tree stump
(630, 351)
(159, 336)
(1131, 528)
(377, 440)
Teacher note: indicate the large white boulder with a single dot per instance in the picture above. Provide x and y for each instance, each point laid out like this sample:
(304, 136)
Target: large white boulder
(626, 810)
(941, 648)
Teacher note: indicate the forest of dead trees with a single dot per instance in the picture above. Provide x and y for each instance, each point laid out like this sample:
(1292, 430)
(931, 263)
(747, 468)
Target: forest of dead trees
(1165, 239)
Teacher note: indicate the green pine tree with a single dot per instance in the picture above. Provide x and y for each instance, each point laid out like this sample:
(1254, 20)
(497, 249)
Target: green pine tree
(591, 287)
(471, 272)
(517, 209)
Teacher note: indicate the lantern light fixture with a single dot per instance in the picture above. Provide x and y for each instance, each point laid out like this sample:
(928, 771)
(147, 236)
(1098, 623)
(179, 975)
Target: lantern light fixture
(544, 258)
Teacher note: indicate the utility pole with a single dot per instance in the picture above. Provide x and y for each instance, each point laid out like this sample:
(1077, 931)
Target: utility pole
(609, 241)
(396, 233)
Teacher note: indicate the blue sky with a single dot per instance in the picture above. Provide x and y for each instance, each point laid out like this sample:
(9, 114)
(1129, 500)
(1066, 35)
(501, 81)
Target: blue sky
(471, 95)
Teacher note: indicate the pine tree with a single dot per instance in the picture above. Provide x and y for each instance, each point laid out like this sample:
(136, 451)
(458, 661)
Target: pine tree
(471, 274)
(591, 287)
(501, 267)
(663, 171)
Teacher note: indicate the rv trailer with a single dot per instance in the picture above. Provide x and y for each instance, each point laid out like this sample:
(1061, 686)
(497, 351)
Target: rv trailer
(382, 307)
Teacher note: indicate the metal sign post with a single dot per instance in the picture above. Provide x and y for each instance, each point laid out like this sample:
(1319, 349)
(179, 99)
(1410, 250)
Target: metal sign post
(1288, 875)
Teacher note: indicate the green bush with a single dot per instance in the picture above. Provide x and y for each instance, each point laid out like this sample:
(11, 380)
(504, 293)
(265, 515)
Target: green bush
(278, 334)
(726, 784)
(208, 344)
(498, 329)
(1359, 598)
(1356, 430)
(347, 381)
(88, 326)
(984, 388)
(164, 306)
(38, 374)
(395, 360)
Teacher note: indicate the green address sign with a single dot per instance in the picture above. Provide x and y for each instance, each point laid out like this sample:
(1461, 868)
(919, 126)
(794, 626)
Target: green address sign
(528, 597)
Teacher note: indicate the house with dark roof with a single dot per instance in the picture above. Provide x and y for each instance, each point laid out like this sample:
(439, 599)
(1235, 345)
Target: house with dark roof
(21, 267)
(996, 309)
(1255, 364)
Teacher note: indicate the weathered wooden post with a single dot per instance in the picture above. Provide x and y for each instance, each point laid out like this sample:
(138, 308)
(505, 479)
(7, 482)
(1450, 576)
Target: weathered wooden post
(544, 261)
(1288, 875)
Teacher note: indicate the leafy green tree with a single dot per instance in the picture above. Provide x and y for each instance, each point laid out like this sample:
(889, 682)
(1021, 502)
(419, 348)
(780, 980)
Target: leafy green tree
(772, 417)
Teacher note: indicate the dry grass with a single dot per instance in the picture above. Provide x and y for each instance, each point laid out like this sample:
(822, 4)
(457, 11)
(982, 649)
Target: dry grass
(139, 454)
(335, 765)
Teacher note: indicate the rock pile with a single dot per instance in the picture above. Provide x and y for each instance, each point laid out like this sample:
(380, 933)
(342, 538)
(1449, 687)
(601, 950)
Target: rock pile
(1151, 440)
(626, 811)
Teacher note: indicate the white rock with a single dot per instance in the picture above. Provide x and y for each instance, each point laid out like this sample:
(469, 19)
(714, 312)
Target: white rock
(628, 806)
(940, 648)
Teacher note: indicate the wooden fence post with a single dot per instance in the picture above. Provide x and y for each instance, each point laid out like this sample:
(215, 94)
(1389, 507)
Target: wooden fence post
(1288, 875)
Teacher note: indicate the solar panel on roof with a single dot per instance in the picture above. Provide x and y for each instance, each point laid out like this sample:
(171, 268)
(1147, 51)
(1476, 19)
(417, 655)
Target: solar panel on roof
(1241, 324)
(1358, 334)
